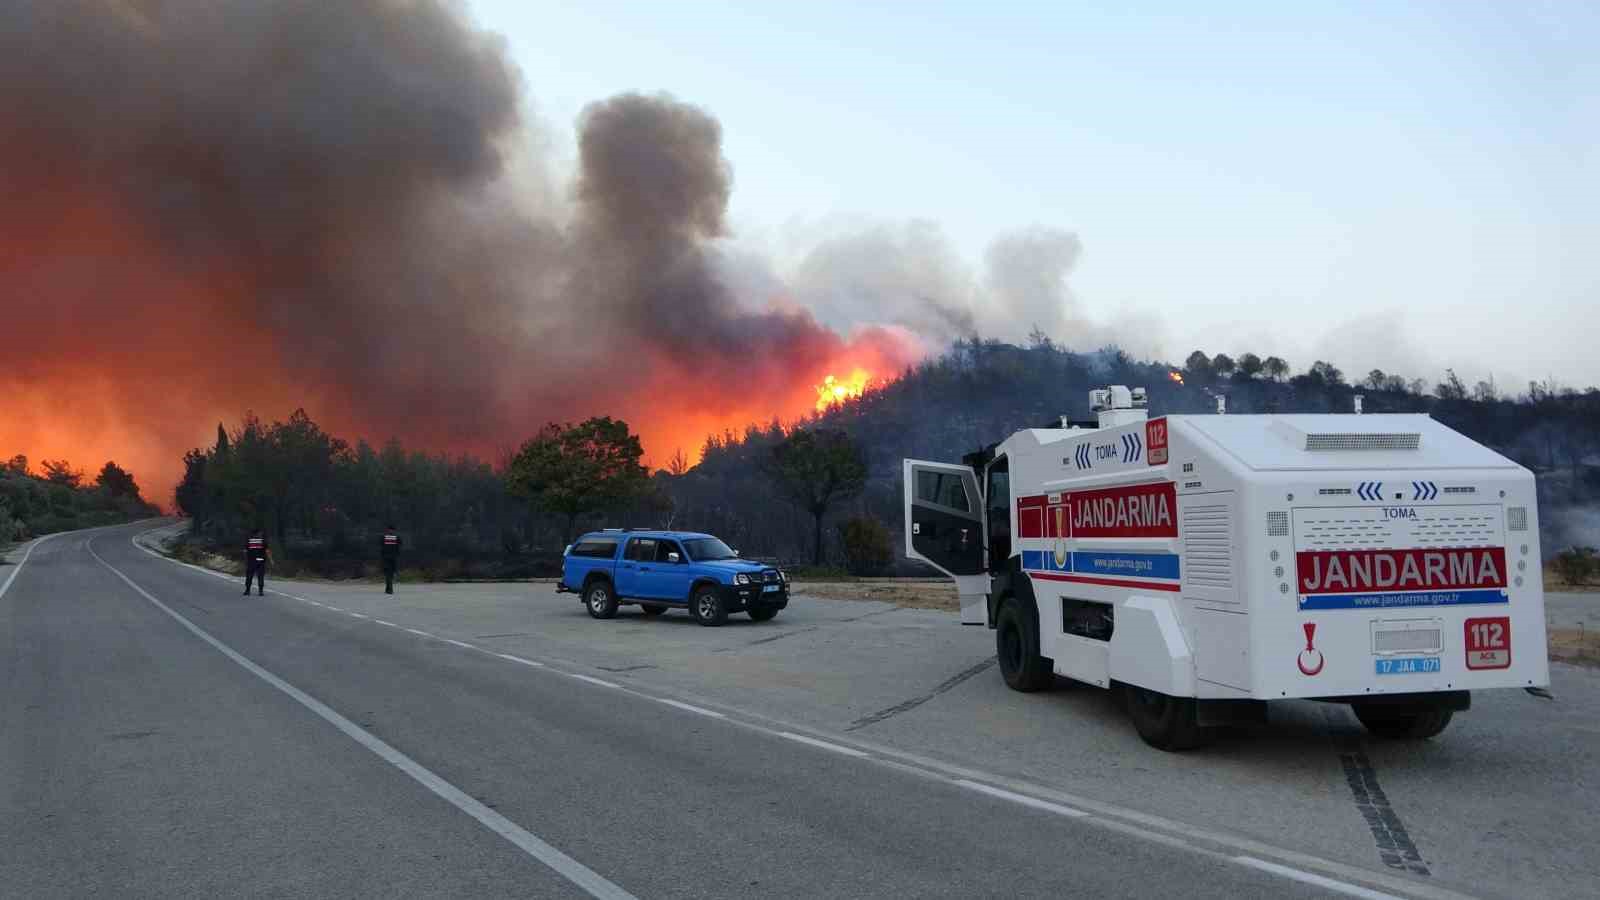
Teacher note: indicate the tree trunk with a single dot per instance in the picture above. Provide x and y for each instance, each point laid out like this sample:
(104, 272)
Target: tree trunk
(816, 517)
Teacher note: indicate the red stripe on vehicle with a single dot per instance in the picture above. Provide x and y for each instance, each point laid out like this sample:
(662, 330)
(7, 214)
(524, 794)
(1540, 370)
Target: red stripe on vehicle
(1108, 582)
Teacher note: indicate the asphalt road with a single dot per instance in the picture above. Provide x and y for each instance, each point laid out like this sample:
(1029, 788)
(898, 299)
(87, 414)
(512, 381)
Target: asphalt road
(164, 736)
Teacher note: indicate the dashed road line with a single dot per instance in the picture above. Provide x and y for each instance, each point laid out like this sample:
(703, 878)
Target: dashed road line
(382, 622)
(1314, 879)
(826, 745)
(464, 646)
(422, 633)
(1023, 799)
(691, 708)
(591, 680)
(518, 659)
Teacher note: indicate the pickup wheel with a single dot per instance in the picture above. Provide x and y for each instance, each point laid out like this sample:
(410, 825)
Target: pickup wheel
(1402, 722)
(763, 613)
(1165, 722)
(707, 607)
(1017, 647)
(652, 609)
(599, 599)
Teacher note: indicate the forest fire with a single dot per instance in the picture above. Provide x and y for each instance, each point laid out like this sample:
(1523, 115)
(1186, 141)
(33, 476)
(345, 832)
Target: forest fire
(834, 391)
(1175, 377)
(390, 270)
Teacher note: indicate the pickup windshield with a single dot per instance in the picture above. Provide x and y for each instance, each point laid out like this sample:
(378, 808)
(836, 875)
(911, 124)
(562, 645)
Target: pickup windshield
(708, 549)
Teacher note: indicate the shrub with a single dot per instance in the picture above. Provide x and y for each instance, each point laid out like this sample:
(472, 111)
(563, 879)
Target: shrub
(866, 545)
(1577, 565)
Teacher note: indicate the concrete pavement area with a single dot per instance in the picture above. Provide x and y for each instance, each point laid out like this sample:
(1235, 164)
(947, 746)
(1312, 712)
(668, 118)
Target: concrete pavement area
(874, 748)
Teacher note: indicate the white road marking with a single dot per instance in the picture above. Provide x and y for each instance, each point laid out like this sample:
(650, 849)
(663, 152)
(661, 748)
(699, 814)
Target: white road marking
(1137, 824)
(691, 708)
(356, 615)
(423, 633)
(591, 680)
(18, 570)
(564, 865)
(1023, 799)
(518, 659)
(459, 644)
(837, 748)
(1353, 890)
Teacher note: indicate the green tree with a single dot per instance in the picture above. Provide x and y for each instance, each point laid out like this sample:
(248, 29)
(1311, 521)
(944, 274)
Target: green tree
(1198, 365)
(59, 471)
(573, 470)
(866, 545)
(815, 468)
(1275, 368)
(117, 481)
(1223, 365)
(1250, 365)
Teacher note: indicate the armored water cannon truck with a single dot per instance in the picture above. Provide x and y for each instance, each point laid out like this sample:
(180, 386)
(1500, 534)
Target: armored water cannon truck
(1206, 564)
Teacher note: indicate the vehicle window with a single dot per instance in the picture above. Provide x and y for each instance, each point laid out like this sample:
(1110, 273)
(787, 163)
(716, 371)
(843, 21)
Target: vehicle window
(642, 550)
(595, 549)
(943, 488)
(665, 549)
(707, 549)
(997, 495)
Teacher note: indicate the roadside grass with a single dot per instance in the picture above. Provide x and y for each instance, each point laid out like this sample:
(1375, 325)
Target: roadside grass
(1579, 646)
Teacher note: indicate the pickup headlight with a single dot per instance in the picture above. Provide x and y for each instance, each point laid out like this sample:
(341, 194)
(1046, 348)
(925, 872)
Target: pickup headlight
(741, 579)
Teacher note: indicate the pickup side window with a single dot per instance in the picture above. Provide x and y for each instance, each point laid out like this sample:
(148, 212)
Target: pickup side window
(642, 550)
(664, 548)
(601, 549)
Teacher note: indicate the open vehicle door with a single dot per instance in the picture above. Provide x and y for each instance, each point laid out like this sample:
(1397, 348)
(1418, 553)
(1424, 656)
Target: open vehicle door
(944, 528)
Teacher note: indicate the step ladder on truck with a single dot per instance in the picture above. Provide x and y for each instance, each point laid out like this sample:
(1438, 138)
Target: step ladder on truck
(1204, 565)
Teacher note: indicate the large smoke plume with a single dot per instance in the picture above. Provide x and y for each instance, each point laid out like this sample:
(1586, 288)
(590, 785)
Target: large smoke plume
(215, 206)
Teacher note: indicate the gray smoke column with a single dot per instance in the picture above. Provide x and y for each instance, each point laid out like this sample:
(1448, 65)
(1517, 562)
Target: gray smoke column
(213, 206)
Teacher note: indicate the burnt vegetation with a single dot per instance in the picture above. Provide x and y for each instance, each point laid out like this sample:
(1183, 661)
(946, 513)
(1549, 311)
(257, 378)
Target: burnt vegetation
(325, 499)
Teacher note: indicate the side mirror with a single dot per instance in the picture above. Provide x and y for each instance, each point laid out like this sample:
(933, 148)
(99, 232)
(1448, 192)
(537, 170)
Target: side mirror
(568, 551)
(673, 557)
(736, 553)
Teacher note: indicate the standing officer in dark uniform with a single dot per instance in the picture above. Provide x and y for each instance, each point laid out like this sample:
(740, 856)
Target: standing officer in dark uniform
(256, 556)
(390, 548)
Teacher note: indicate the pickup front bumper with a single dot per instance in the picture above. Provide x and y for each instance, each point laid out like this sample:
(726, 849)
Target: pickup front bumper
(743, 597)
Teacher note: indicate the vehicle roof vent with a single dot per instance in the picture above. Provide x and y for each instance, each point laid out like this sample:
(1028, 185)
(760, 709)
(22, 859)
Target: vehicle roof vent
(1370, 441)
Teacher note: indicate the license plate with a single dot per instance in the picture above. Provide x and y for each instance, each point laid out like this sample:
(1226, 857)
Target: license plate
(1408, 665)
(770, 589)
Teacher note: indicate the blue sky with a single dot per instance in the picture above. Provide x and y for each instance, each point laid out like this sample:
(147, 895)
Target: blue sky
(1408, 186)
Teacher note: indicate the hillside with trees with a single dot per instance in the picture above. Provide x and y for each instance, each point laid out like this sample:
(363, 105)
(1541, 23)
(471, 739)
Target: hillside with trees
(57, 497)
(824, 489)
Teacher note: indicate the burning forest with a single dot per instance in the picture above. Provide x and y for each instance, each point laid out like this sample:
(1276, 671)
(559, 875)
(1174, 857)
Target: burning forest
(221, 207)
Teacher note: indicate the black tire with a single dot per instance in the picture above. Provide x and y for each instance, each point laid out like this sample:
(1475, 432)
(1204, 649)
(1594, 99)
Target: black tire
(1402, 723)
(652, 609)
(1165, 722)
(707, 607)
(600, 599)
(763, 613)
(1017, 648)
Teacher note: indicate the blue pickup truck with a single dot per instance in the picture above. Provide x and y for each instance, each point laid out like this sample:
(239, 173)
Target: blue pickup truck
(661, 569)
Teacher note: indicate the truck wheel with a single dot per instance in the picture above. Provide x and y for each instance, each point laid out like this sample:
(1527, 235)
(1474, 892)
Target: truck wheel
(1401, 722)
(599, 600)
(707, 607)
(1017, 647)
(1165, 722)
(763, 613)
(652, 609)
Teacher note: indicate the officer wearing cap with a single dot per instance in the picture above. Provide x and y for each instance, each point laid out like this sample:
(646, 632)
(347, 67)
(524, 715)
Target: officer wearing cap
(390, 550)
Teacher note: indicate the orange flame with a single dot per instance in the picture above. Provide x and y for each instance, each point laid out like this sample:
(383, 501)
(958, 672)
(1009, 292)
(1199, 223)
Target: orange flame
(835, 391)
(1175, 377)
